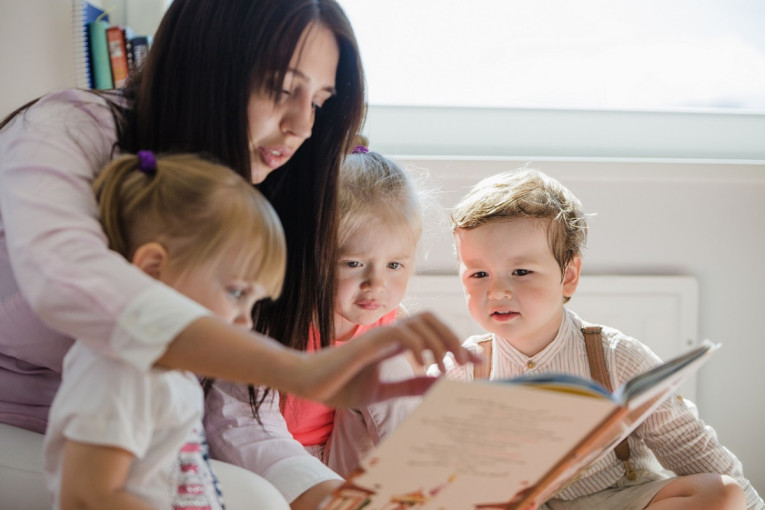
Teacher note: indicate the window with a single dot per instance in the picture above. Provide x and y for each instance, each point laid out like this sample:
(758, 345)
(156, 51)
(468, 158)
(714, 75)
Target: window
(591, 54)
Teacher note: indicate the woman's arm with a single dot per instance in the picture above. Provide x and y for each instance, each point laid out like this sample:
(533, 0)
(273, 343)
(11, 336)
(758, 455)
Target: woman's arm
(344, 376)
(94, 477)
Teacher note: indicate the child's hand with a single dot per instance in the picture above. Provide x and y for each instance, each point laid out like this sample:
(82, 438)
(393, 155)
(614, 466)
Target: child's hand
(348, 375)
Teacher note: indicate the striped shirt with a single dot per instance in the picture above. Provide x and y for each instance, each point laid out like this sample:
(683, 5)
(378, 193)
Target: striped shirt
(673, 433)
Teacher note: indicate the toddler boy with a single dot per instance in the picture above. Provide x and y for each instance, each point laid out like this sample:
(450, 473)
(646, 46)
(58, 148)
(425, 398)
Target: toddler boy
(519, 237)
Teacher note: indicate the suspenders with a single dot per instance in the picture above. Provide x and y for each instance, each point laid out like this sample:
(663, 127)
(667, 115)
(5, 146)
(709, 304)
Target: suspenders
(594, 346)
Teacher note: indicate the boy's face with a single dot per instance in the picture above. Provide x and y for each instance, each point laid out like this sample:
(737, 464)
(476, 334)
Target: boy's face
(373, 271)
(512, 282)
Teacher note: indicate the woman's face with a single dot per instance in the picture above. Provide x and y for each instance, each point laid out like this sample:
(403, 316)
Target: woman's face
(277, 129)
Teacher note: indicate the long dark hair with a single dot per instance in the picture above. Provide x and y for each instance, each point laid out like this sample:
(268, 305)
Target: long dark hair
(207, 57)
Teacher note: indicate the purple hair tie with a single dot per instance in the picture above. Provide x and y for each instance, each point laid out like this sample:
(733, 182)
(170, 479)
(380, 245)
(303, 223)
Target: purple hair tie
(147, 162)
(359, 149)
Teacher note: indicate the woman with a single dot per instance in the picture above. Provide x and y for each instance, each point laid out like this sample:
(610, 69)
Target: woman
(273, 89)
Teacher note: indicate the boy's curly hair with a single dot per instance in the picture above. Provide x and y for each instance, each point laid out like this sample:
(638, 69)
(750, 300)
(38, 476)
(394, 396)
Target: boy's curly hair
(527, 193)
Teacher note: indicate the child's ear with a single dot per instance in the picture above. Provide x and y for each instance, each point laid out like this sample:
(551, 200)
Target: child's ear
(151, 258)
(571, 276)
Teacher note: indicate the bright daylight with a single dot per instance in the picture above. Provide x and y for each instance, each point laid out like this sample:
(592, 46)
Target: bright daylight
(626, 54)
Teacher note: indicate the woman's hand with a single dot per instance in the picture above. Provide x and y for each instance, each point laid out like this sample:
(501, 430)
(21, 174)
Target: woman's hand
(348, 375)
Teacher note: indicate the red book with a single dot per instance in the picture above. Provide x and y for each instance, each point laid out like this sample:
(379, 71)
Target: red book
(115, 38)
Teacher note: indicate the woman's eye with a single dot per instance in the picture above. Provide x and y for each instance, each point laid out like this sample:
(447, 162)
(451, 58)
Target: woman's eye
(284, 94)
(319, 102)
(521, 272)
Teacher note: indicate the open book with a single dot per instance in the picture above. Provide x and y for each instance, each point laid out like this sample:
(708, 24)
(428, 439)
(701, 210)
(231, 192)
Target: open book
(505, 444)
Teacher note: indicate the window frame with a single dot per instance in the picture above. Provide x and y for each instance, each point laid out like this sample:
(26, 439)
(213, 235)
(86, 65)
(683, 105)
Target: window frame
(561, 133)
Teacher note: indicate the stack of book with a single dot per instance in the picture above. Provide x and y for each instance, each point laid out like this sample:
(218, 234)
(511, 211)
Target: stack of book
(106, 54)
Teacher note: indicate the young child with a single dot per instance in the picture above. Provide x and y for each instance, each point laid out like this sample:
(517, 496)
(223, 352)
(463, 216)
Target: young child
(120, 437)
(380, 222)
(519, 237)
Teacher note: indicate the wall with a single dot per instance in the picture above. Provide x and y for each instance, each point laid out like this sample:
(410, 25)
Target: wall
(36, 43)
(35, 50)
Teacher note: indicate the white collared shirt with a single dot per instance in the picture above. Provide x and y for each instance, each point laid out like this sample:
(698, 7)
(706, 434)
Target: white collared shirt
(681, 441)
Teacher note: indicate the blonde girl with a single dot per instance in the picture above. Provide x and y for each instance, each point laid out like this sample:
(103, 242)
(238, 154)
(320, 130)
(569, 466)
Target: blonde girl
(120, 437)
(380, 224)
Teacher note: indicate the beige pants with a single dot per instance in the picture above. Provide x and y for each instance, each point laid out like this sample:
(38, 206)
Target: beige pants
(624, 495)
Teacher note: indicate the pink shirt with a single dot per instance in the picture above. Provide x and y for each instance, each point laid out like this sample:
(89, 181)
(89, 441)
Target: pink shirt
(311, 422)
(58, 279)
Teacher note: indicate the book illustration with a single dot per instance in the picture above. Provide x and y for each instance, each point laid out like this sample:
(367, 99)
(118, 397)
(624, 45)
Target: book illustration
(504, 444)
(351, 496)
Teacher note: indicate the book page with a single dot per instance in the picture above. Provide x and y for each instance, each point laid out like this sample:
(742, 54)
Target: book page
(470, 444)
(643, 393)
(664, 378)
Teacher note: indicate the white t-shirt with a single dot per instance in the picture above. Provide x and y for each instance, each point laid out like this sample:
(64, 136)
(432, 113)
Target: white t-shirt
(156, 415)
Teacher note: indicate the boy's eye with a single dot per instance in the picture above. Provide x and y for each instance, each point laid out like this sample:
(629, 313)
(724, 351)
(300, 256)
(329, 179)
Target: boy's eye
(394, 265)
(521, 272)
(479, 274)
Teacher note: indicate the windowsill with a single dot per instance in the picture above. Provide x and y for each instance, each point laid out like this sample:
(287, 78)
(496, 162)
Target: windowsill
(551, 133)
